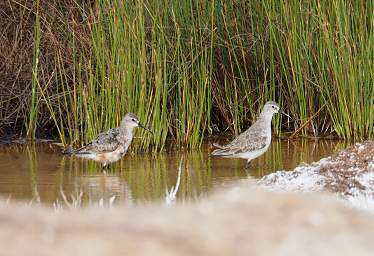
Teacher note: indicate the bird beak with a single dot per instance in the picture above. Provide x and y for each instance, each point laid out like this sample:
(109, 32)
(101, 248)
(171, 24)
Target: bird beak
(145, 128)
(284, 113)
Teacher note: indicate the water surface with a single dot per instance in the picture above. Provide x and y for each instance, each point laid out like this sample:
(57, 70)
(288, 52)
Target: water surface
(39, 172)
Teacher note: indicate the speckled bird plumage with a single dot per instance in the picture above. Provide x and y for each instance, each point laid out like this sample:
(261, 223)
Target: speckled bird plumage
(112, 145)
(255, 140)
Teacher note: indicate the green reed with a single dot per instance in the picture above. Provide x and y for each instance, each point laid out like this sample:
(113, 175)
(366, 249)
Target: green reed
(31, 121)
(324, 59)
(189, 68)
(145, 69)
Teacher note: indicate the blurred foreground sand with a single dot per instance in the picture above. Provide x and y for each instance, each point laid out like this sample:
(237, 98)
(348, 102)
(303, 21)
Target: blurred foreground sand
(238, 221)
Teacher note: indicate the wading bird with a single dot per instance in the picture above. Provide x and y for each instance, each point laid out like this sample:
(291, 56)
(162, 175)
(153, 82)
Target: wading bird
(112, 145)
(256, 140)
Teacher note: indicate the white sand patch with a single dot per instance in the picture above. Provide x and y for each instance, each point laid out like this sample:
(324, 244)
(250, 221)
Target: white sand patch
(304, 179)
(339, 174)
(363, 198)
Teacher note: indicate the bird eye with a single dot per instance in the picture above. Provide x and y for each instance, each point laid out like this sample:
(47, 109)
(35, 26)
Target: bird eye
(273, 107)
(134, 120)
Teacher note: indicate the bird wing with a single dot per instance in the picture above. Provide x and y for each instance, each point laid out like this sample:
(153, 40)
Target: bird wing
(104, 142)
(249, 140)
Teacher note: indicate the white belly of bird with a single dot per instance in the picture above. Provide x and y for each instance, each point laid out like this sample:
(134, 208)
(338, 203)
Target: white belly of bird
(251, 154)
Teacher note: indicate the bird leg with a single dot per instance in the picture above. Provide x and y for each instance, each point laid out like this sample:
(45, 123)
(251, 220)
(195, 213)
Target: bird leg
(248, 165)
(105, 166)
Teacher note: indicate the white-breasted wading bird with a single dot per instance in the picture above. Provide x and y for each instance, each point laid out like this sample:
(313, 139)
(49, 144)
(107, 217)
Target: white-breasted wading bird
(255, 140)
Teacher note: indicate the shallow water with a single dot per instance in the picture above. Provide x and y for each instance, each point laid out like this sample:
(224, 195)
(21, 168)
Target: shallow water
(39, 172)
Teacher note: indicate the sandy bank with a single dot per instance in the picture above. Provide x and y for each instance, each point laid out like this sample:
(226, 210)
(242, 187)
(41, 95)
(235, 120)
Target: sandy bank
(239, 221)
(348, 174)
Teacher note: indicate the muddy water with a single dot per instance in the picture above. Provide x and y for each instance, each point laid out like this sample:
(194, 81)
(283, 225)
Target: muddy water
(38, 173)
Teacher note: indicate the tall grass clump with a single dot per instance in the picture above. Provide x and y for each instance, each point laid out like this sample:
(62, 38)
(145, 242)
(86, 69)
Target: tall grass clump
(315, 58)
(143, 59)
(323, 50)
(192, 68)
